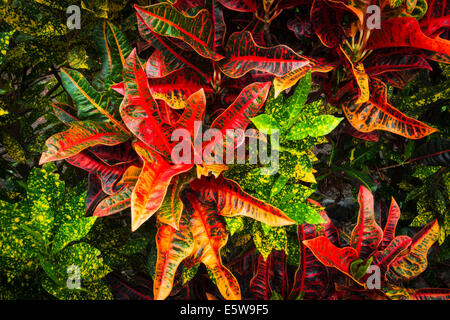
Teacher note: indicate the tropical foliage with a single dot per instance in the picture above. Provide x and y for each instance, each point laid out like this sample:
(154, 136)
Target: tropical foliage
(317, 101)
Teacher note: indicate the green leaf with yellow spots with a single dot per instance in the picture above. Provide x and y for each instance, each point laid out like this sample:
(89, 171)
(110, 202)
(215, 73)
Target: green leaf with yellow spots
(425, 171)
(234, 224)
(314, 127)
(5, 38)
(85, 257)
(96, 290)
(273, 238)
(70, 231)
(189, 273)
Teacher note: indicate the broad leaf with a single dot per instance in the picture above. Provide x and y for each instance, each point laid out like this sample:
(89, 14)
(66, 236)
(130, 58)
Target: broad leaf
(330, 255)
(405, 32)
(79, 136)
(152, 185)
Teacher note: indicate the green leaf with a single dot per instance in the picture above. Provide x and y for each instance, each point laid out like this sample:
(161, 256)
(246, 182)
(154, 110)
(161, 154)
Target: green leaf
(77, 58)
(265, 122)
(234, 224)
(316, 127)
(5, 38)
(278, 185)
(71, 231)
(189, 273)
(85, 257)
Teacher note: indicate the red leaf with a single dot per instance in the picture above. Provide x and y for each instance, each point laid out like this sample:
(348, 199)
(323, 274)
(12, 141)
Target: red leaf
(312, 276)
(395, 248)
(108, 175)
(152, 185)
(366, 236)
(405, 32)
(391, 224)
(240, 5)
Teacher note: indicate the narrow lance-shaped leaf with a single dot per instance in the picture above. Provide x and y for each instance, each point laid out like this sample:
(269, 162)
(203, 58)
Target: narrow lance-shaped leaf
(246, 105)
(379, 114)
(232, 201)
(260, 285)
(415, 262)
(91, 104)
(115, 203)
(79, 136)
(64, 112)
(391, 224)
(108, 175)
(366, 236)
(173, 247)
(196, 31)
(172, 207)
(140, 111)
(210, 236)
(311, 277)
(244, 55)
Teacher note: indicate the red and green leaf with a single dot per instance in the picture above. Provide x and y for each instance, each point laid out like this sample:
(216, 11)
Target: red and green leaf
(244, 55)
(240, 5)
(367, 234)
(90, 103)
(80, 136)
(415, 262)
(139, 110)
(173, 247)
(312, 277)
(115, 203)
(237, 116)
(391, 224)
(379, 114)
(109, 175)
(405, 32)
(64, 113)
(176, 88)
(396, 247)
(196, 31)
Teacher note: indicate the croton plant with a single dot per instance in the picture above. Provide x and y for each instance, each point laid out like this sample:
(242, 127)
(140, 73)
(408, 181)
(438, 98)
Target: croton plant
(216, 62)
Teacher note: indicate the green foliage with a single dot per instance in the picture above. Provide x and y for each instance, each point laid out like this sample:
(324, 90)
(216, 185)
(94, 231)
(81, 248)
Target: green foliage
(300, 127)
(41, 237)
